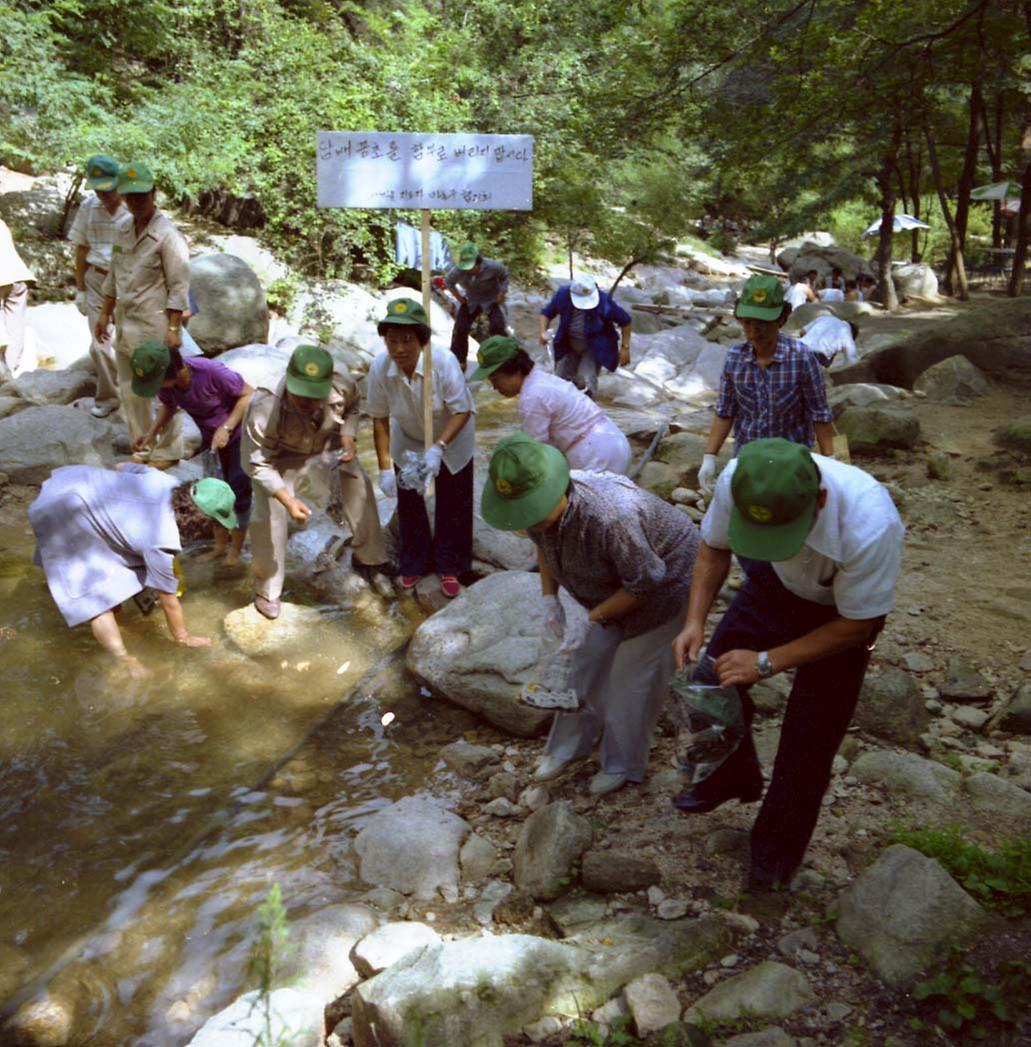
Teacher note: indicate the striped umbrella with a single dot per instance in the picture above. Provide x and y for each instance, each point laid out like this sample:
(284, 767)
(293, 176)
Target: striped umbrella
(996, 191)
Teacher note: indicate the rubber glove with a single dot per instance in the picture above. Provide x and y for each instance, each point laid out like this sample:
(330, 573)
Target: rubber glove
(707, 474)
(432, 458)
(388, 482)
(554, 615)
(80, 301)
(576, 633)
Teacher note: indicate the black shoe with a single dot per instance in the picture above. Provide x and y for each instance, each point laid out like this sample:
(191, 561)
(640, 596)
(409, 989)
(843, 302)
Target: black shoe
(691, 801)
(369, 570)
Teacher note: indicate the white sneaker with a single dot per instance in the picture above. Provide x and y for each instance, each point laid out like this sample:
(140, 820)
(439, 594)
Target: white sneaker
(603, 783)
(550, 767)
(102, 410)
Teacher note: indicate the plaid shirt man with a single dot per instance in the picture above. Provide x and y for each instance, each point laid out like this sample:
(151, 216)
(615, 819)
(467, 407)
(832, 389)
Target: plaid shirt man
(783, 399)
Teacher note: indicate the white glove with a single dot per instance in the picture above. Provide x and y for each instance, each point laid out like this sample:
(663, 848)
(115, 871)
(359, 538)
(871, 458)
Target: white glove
(388, 482)
(576, 633)
(432, 458)
(707, 474)
(554, 615)
(80, 301)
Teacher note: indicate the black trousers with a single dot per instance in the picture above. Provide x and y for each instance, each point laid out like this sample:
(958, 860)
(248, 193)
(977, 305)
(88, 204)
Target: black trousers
(464, 319)
(765, 614)
(448, 548)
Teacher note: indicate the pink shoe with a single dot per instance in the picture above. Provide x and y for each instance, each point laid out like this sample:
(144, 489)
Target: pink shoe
(450, 586)
(410, 581)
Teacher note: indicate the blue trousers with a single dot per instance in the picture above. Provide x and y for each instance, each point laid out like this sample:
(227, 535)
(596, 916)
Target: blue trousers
(238, 480)
(448, 548)
(765, 614)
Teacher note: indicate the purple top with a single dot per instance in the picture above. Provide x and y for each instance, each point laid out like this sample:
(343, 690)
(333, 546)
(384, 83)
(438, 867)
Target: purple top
(212, 394)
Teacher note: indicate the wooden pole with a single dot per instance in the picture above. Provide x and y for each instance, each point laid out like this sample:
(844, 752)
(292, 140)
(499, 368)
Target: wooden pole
(427, 353)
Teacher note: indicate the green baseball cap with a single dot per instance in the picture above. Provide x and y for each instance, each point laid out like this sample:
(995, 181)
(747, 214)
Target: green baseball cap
(762, 298)
(310, 372)
(526, 481)
(215, 498)
(102, 172)
(493, 352)
(403, 311)
(467, 255)
(136, 177)
(775, 488)
(149, 364)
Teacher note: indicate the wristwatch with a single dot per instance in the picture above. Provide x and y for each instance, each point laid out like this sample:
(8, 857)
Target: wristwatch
(763, 665)
(228, 428)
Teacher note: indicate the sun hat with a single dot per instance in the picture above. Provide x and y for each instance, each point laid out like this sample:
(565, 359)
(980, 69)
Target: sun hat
(149, 364)
(102, 172)
(584, 292)
(762, 298)
(310, 372)
(526, 481)
(215, 498)
(775, 487)
(467, 255)
(136, 177)
(493, 352)
(403, 311)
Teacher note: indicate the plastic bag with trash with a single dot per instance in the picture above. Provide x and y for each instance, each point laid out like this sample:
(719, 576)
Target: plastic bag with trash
(709, 723)
(547, 686)
(412, 473)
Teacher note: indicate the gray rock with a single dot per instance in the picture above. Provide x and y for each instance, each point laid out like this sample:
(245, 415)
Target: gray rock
(54, 387)
(261, 366)
(771, 1036)
(501, 550)
(534, 797)
(502, 807)
(37, 440)
(668, 353)
(918, 662)
(998, 801)
(906, 776)
(608, 872)
(625, 389)
(860, 394)
(671, 909)
(1015, 715)
(258, 637)
(11, 404)
(1016, 435)
(709, 365)
(939, 465)
(296, 1013)
(503, 786)
(963, 682)
(574, 912)
(954, 380)
(479, 650)
(683, 452)
(902, 913)
(660, 479)
(45, 1021)
(892, 707)
(493, 895)
(969, 716)
(769, 990)
(318, 957)
(794, 942)
(386, 945)
(652, 1003)
(551, 840)
(35, 212)
(874, 428)
(469, 760)
(231, 307)
(411, 846)
(477, 858)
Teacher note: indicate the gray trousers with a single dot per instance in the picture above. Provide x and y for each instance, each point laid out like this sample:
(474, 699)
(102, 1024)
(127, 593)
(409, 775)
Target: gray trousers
(102, 353)
(581, 369)
(623, 685)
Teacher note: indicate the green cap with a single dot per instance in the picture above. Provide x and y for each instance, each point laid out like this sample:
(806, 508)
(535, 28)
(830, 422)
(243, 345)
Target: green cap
(149, 364)
(467, 255)
(775, 487)
(310, 372)
(527, 479)
(215, 498)
(404, 311)
(493, 352)
(136, 177)
(102, 172)
(762, 298)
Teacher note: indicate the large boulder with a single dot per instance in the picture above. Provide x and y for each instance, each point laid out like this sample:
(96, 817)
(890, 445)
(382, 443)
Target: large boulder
(668, 353)
(860, 394)
(797, 261)
(875, 427)
(36, 441)
(1016, 435)
(54, 387)
(902, 913)
(709, 364)
(551, 840)
(231, 307)
(953, 381)
(259, 365)
(682, 453)
(293, 1013)
(1015, 715)
(484, 645)
(35, 213)
(909, 778)
(915, 280)
(769, 990)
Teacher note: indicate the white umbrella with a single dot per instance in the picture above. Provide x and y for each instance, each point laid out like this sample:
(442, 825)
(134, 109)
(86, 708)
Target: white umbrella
(901, 223)
(996, 191)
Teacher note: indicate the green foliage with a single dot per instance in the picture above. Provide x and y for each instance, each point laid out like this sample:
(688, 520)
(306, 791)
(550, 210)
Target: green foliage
(282, 293)
(268, 953)
(585, 1033)
(573, 875)
(722, 1028)
(999, 879)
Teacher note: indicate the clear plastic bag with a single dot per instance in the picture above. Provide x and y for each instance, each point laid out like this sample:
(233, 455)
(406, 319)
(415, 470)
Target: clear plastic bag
(412, 473)
(709, 723)
(548, 683)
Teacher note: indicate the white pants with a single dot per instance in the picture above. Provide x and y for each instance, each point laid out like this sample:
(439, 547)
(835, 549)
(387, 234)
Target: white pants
(102, 353)
(14, 301)
(604, 449)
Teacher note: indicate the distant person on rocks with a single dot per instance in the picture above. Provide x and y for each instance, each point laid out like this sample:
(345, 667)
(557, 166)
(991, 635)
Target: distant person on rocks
(771, 385)
(15, 277)
(824, 542)
(827, 336)
(216, 398)
(309, 421)
(480, 284)
(624, 555)
(395, 402)
(94, 232)
(146, 290)
(866, 284)
(586, 339)
(799, 293)
(837, 279)
(852, 291)
(553, 410)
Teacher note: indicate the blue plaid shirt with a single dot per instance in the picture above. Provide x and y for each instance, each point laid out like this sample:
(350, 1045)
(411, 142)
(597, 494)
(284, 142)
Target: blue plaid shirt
(782, 399)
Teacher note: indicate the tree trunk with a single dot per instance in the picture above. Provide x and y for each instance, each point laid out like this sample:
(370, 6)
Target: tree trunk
(885, 183)
(1023, 223)
(913, 166)
(966, 183)
(957, 288)
(626, 269)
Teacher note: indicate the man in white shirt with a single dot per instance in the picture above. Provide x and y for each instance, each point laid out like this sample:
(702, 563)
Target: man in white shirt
(94, 232)
(826, 544)
(827, 336)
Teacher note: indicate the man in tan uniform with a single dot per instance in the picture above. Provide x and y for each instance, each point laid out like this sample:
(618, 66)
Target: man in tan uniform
(147, 291)
(309, 421)
(15, 276)
(93, 232)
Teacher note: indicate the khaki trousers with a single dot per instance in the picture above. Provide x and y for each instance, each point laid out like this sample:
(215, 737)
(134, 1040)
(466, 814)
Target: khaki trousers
(14, 300)
(269, 521)
(139, 416)
(102, 353)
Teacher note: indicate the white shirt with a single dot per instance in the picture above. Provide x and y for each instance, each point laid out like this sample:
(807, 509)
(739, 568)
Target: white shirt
(392, 395)
(828, 335)
(94, 227)
(852, 555)
(555, 412)
(796, 295)
(832, 294)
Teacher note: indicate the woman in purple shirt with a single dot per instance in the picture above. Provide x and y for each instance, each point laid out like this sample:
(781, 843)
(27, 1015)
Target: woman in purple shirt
(216, 399)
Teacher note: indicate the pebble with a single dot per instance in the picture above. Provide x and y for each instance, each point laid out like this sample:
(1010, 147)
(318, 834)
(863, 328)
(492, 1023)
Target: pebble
(969, 716)
(655, 895)
(740, 921)
(502, 808)
(711, 977)
(918, 662)
(932, 705)
(839, 765)
(730, 961)
(671, 909)
(837, 1011)
(534, 797)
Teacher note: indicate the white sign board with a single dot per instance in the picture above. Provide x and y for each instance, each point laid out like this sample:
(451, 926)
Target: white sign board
(450, 171)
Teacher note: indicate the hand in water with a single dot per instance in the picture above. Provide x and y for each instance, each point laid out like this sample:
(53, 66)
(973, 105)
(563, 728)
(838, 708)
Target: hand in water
(195, 641)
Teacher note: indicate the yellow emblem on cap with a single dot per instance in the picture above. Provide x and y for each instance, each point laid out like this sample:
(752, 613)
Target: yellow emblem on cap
(139, 372)
(400, 307)
(759, 296)
(503, 486)
(131, 173)
(760, 514)
(94, 171)
(311, 369)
